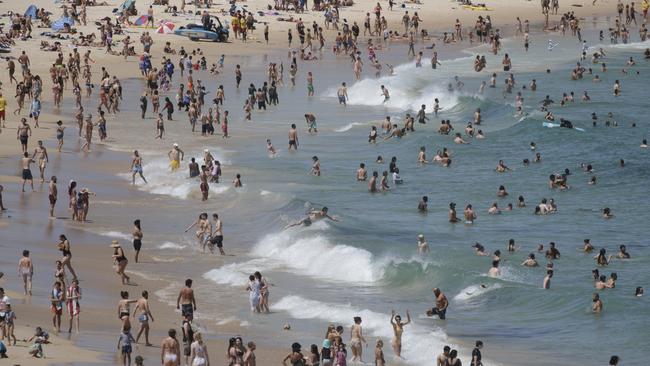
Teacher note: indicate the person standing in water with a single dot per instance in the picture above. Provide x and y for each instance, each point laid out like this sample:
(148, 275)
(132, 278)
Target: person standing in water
(176, 155)
(293, 137)
(356, 340)
(441, 305)
(398, 330)
(136, 167)
(137, 238)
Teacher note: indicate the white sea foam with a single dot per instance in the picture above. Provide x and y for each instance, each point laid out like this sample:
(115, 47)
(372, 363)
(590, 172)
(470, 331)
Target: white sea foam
(314, 256)
(170, 245)
(160, 180)
(349, 126)
(116, 235)
(420, 341)
(474, 291)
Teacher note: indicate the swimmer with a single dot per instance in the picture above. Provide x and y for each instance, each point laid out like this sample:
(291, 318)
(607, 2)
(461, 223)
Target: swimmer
(423, 246)
(530, 261)
(362, 174)
(313, 216)
(479, 250)
(494, 270)
(547, 280)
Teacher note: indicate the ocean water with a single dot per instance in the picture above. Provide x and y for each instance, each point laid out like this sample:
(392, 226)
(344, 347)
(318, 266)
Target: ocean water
(366, 264)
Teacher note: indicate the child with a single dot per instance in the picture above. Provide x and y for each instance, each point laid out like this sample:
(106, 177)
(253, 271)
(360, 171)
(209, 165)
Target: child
(237, 182)
(270, 148)
(341, 356)
(40, 338)
(10, 316)
(139, 361)
(379, 353)
(249, 356)
(124, 345)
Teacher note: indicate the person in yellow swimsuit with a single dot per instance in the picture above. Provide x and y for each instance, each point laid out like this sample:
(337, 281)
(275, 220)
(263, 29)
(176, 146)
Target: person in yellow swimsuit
(175, 156)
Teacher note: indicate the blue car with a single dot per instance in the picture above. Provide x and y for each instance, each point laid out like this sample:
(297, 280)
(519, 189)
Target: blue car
(195, 32)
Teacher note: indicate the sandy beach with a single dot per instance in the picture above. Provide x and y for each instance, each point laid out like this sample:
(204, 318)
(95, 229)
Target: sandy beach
(328, 272)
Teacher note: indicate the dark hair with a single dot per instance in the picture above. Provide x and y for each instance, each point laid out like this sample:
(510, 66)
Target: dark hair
(613, 361)
(188, 282)
(446, 348)
(137, 224)
(124, 294)
(357, 319)
(453, 353)
(479, 343)
(172, 332)
(25, 253)
(296, 347)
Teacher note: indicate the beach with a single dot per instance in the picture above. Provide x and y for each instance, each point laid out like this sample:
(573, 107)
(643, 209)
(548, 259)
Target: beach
(364, 262)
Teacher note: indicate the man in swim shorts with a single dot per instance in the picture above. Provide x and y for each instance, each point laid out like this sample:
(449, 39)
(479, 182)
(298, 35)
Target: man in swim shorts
(293, 137)
(186, 301)
(441, 304)
(175, 156)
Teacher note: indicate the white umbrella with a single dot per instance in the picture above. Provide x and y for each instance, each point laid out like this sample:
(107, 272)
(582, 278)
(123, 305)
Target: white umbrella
(166, 28)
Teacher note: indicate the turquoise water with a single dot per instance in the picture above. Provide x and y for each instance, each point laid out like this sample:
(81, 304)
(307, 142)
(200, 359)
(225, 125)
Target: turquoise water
(367, 263)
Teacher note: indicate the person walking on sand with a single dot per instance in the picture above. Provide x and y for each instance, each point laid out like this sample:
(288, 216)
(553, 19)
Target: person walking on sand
(199, 351)
(142, 306)
(26, 271)
(120, 261)
(52, 196)
(136, 167)
(170, 350)
(41, 153)
(26, 162)
(57, 298)
(64, 247)
(73, 295)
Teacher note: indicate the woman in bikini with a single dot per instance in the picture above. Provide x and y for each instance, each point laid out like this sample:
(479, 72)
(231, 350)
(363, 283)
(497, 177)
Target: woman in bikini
(64, 247)
(124, 310)
(119, 259)
(398, 330)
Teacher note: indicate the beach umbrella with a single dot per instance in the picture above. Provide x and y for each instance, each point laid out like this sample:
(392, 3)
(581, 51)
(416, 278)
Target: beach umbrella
(166, 28)
(142, 20)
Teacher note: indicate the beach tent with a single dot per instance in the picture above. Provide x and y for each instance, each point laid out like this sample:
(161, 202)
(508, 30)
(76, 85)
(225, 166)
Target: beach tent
(59, 24)
(31, 11)
(166, 28)
(142, 20)
(126, 4)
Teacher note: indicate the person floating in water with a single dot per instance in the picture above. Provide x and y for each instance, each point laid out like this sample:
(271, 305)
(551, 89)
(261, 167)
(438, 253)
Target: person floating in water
(313, 216)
